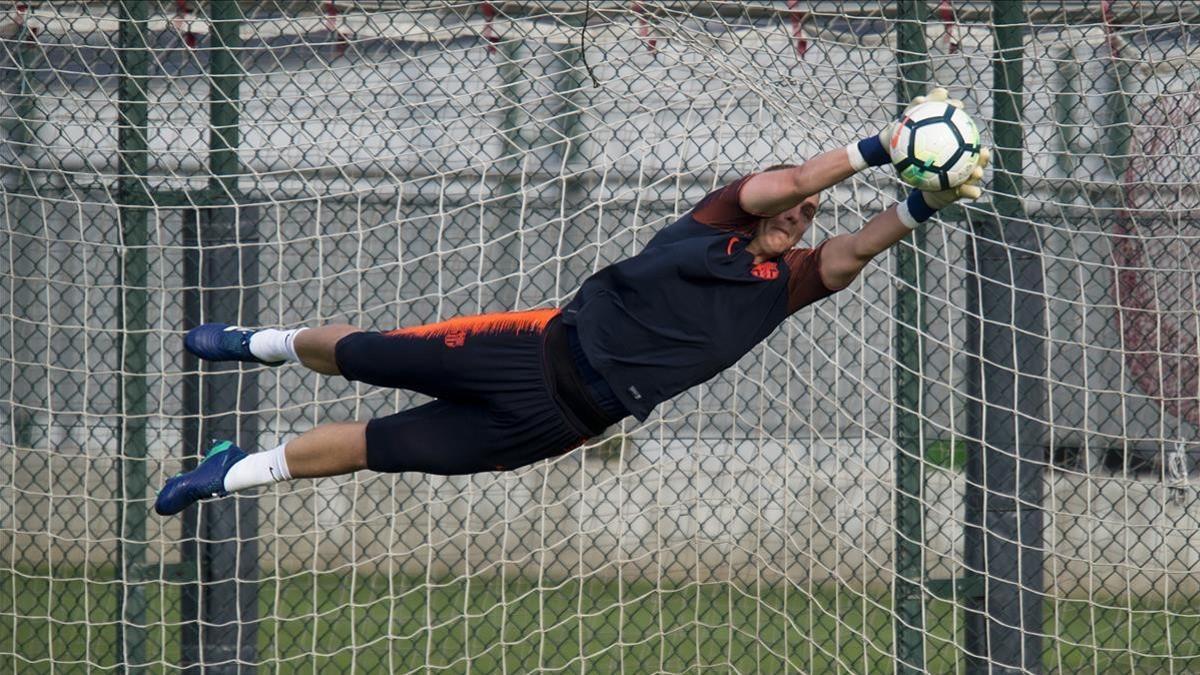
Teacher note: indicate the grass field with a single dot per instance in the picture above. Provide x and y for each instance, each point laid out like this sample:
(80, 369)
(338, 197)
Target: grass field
(335, 622)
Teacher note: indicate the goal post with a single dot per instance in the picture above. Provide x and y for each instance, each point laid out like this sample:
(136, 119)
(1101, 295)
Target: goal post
(981, 456)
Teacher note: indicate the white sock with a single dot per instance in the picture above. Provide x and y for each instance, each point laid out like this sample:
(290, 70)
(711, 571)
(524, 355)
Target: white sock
(271, 345)
(259, 468)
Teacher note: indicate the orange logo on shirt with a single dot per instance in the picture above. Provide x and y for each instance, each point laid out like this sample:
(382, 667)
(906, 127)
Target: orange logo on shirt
(455, 338)
(765, 270)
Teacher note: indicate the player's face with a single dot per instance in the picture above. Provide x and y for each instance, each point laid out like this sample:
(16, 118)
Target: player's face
(779, 233)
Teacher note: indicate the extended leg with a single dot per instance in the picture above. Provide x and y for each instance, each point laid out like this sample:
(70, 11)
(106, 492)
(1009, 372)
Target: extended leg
(465, 358)
(313, 347)
(328, 450)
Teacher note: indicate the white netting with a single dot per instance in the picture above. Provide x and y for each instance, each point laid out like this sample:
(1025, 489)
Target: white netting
(400, 163)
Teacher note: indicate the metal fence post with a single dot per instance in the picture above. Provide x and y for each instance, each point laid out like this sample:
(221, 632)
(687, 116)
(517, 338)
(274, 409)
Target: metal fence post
(908, 597)
(1007, 407)
(133, 161)
(220, 544)
(220, 608)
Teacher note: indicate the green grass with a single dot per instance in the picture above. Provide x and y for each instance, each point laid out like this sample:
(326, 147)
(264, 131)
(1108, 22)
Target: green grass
(339, 622)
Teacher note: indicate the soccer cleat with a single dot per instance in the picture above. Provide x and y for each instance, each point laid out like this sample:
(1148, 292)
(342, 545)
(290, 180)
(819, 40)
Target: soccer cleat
(222, 342)
(205, 481)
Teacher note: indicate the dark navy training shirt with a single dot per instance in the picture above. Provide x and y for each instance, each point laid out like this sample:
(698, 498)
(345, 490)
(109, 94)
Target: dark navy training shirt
(690, 304)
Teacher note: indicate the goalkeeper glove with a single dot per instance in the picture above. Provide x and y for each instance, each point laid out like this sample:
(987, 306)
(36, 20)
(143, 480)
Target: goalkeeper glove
(872, 150)
(920, 206)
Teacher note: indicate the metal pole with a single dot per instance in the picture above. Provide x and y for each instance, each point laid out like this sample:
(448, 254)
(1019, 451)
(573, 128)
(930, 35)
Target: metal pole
(1007, 405)
(220, 542)
(220, 609)
(131, 190)
(908, 312)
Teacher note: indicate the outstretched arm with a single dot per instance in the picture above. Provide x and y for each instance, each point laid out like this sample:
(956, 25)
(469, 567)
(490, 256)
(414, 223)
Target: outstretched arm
(845, 255)
(773, 192)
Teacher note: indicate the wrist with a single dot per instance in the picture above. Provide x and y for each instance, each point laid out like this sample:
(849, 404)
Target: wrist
(867, 153)
(914, 210)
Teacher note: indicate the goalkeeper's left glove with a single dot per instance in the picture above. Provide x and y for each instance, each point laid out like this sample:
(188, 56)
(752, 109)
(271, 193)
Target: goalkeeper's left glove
(920, 206)
(872, 150)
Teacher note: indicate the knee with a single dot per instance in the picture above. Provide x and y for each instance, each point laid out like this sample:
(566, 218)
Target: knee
(323, 339)
(317, 347)
(360, 461)
(358, 432)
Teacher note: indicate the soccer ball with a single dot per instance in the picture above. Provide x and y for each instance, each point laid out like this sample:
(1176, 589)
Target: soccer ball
(935, 146)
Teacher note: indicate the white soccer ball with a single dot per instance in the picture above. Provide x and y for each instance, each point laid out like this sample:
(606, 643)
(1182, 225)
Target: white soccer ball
(935, 146)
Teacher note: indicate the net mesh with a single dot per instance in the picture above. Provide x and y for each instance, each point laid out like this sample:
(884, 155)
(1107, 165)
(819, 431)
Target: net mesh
(391, 164)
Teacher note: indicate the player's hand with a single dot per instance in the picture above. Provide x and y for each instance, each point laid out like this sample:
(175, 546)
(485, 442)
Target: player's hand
(968, 190)
(920, 205)
(937, 95)
(872, 150)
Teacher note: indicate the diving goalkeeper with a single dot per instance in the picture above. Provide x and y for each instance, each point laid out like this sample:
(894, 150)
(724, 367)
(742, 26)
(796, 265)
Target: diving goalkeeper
(517, 387)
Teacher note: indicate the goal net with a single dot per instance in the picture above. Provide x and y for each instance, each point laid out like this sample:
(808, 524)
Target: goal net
(980, 456)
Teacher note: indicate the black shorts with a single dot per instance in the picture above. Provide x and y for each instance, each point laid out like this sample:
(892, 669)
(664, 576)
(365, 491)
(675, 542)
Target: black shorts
(511, 388)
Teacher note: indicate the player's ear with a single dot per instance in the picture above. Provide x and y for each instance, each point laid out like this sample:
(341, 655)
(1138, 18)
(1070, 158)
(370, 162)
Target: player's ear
(810, 205)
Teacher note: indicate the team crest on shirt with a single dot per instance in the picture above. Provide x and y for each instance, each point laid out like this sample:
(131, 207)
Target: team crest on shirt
(455, 338)
(765, 270)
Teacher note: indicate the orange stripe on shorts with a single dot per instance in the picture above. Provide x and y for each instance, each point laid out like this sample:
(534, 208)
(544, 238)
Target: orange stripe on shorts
(533, 320)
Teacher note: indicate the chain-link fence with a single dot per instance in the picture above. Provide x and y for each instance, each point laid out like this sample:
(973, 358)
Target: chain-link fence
(390, 164)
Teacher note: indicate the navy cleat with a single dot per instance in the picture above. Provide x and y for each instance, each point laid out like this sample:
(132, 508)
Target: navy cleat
(222, 342)
(205, 481)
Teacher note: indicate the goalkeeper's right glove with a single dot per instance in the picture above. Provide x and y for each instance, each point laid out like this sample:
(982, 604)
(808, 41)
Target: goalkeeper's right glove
(920, 206)
(872, 150)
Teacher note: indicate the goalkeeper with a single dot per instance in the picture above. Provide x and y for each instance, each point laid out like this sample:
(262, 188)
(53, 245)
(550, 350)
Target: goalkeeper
(514, 388)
